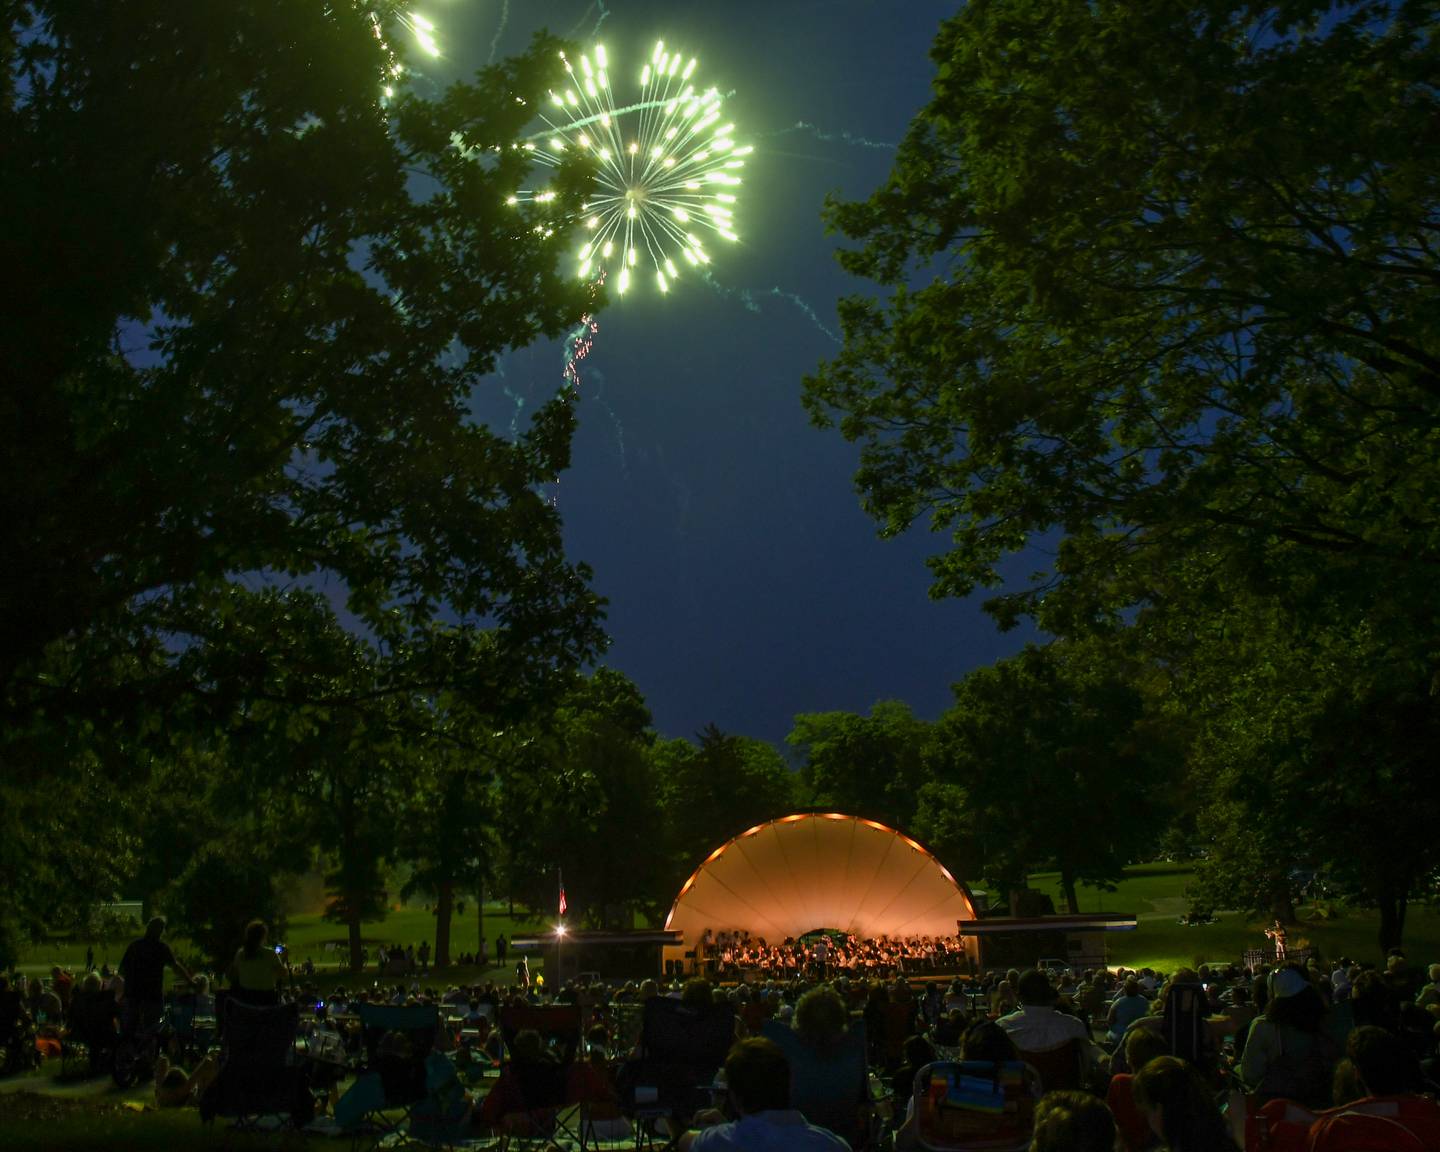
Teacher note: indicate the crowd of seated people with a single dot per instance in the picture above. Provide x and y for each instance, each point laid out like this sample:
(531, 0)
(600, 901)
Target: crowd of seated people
(1154, 1054)
(1155, 1073)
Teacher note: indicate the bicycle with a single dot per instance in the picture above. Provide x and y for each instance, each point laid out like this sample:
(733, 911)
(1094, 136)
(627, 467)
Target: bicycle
(17, 1052)
(137, 1052)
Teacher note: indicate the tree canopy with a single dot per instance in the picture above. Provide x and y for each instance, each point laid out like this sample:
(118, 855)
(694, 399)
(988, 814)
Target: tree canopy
(863, 765)
(257, 295)
(1158, 277)
(1046, 759)
(257, 301)
(1157, 298)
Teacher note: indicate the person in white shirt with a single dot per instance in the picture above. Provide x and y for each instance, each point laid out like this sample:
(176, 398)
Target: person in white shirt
(1037, 1026)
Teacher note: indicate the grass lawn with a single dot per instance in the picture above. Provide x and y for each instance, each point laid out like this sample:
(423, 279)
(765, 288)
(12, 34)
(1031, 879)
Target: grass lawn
(44, 1123)
(43, 1111)
(1156, 894)
(308, 937)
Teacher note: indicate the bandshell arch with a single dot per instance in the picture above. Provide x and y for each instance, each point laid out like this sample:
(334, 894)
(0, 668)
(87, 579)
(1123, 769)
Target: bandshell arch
(815, 870)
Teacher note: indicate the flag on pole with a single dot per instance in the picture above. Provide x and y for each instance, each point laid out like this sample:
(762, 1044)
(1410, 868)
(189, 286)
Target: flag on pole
(563, 905)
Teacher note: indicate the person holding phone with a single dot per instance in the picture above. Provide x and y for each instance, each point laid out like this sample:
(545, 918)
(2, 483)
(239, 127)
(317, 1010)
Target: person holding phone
(256, 973)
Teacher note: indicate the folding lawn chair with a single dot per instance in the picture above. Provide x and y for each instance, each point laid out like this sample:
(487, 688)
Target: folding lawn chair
(91, 1036)
(194, 1029)
(397, 1040)
(681, 1050)
(831, 1086)
(1186, 1012)
(540, 1088)
(260, 1075)
(558, 1025)
(1060, 1067)
(975, 1106)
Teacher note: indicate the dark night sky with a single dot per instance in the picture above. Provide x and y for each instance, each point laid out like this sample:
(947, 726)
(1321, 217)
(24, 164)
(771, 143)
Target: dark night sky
(745, 584)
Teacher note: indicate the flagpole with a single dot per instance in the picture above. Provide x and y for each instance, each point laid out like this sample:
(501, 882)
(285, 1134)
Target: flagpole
(560, 934)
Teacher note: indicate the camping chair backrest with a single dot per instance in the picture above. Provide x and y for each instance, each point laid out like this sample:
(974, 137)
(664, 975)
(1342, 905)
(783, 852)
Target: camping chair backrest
(1186, 1009)
(686, 1036)
(92, 1019)
(828, 1085)
(897, 1024)
(419, 1023)
(542, 1085)
(558, 1025)
(975, 1105)
(181, 1009)
(259, 1074)
(1379, 1124)
(261, 1037)
(755, 1014)
(1277, 1126)
(1060, 1067)
(401, 1066)
(9, 1014)
(681, 1049)
(627, 1019)
(186, 1017)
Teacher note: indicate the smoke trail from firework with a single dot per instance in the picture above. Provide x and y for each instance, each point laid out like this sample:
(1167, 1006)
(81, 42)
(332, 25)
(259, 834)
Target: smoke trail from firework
(747, 298)
(500, 30)
(834, 137)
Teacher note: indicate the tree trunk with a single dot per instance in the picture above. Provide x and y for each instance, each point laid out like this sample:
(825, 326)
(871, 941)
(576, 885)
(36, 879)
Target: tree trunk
(1017, 893)
(1393, 897)
(352, 924)
(443, 908)
(480, 919)
(1067, 890)
(1282, 907)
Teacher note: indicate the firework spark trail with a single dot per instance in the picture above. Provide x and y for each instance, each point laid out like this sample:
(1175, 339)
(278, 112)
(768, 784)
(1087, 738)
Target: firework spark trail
(578, 343)
(834, 137)
(596, 118)
(604, 15)
(499, 31)
(747, 300)
(577, 346)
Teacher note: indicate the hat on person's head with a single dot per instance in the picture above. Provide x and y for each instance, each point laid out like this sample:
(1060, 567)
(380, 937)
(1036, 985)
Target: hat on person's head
(1287, 982)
